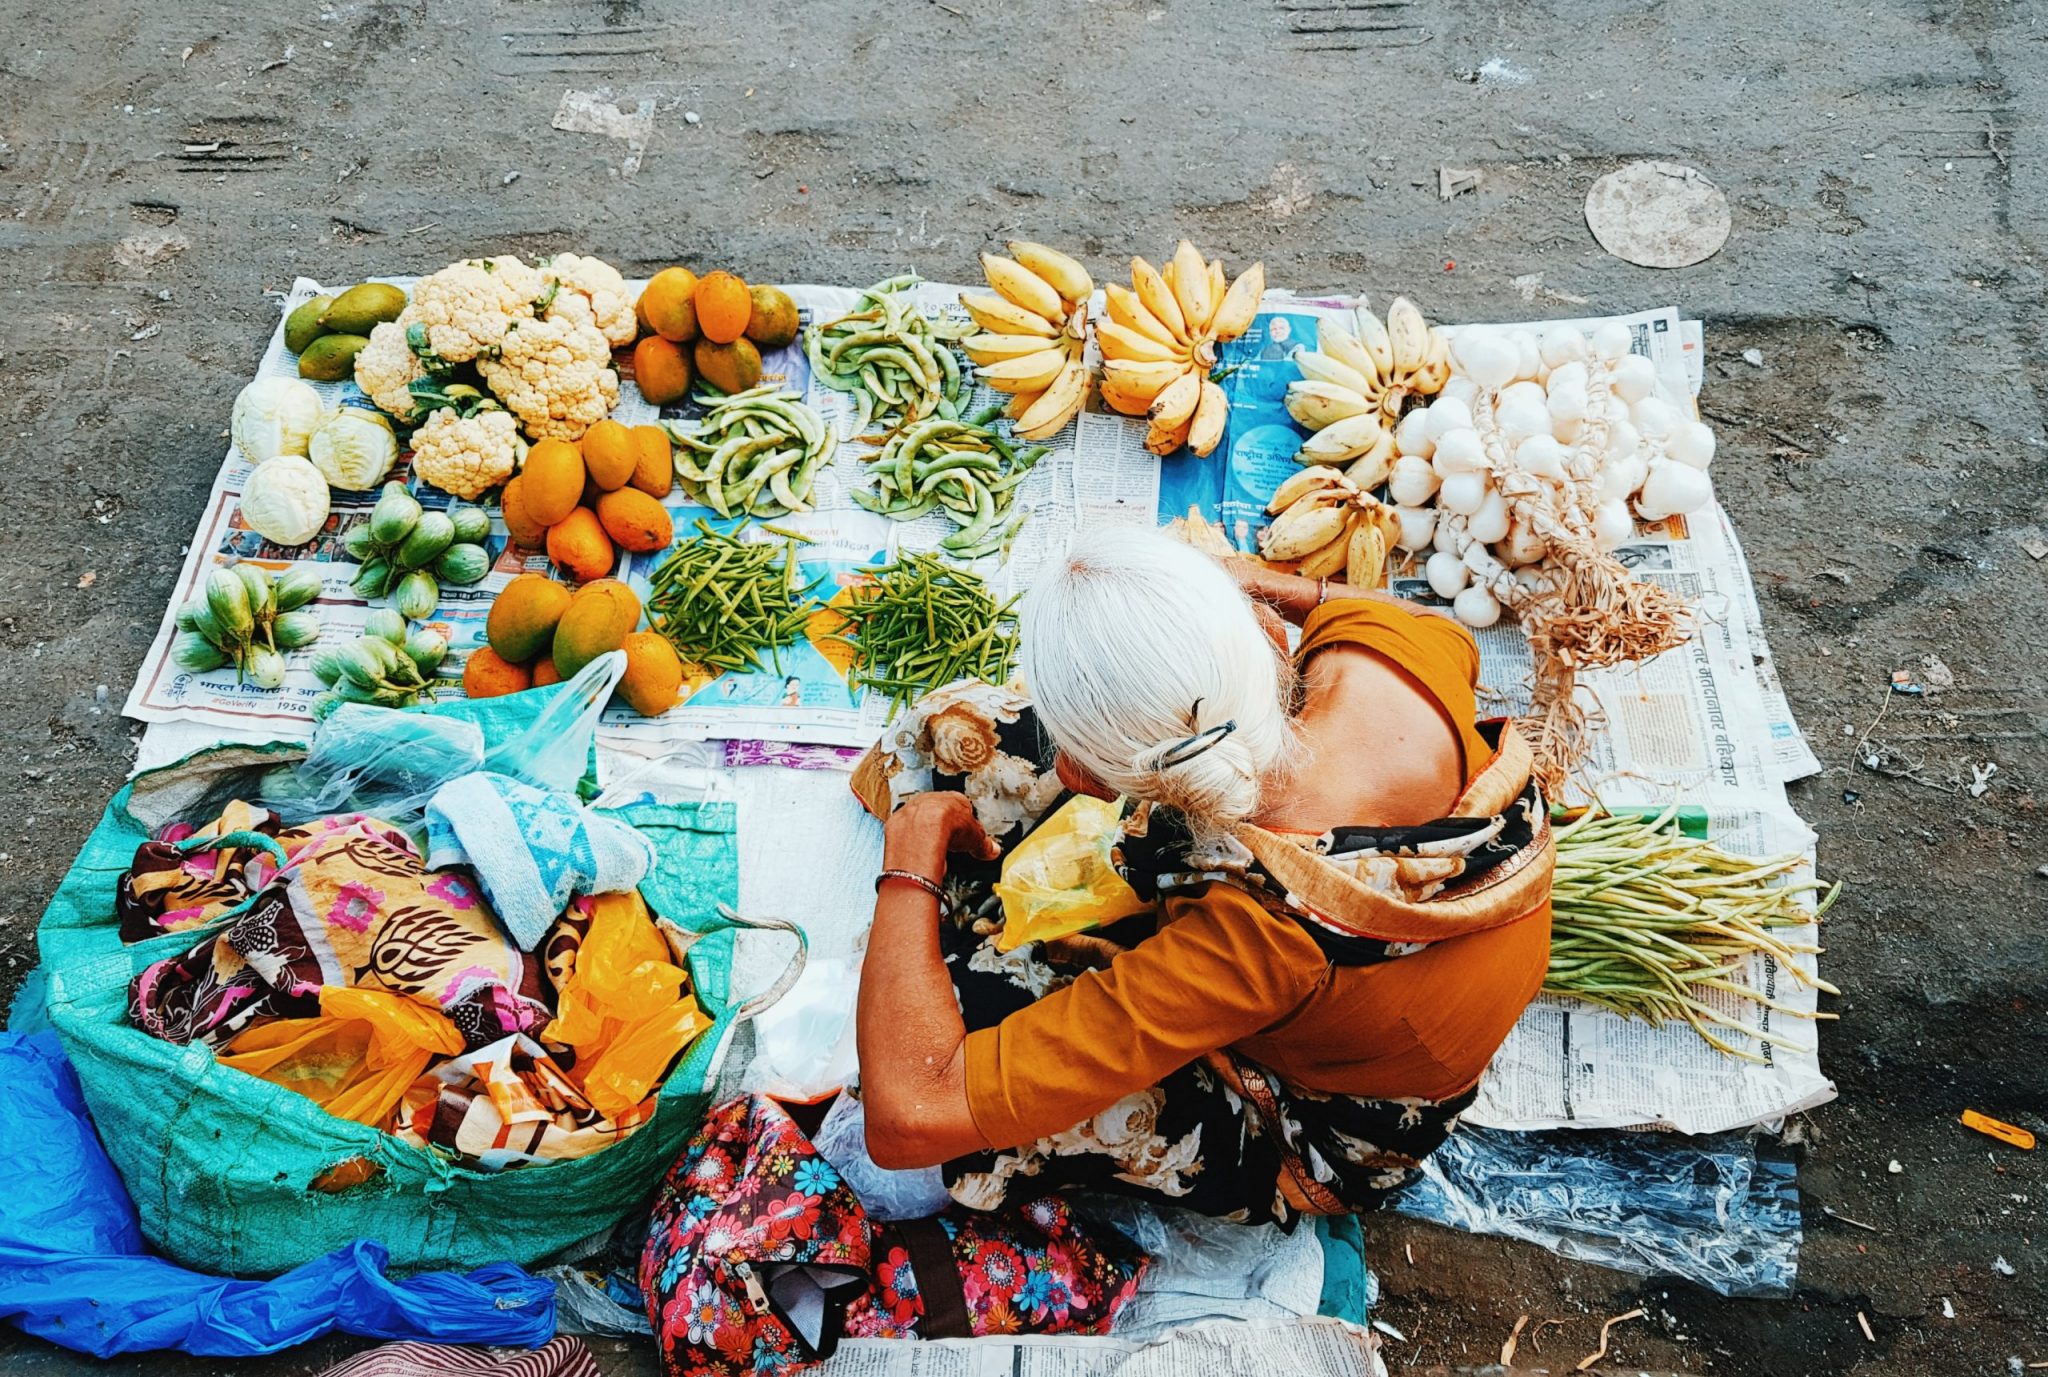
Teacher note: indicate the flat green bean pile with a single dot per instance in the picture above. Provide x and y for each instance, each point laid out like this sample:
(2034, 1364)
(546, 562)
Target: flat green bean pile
(722, 601)
(1645, 920)
(897, 364)
(755, 452)
(921, 623)
(962, 468)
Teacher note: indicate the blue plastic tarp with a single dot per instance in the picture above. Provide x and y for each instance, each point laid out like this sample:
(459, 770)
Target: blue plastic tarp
(73, 1269)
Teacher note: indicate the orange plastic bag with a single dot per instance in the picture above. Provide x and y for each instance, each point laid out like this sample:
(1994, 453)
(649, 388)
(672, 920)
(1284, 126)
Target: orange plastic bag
(356, 1059)
(1062, 878)
(626, 1006)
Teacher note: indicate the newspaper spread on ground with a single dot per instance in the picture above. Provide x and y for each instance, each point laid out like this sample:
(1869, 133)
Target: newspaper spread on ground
(1299, 1348)
(1707, 720)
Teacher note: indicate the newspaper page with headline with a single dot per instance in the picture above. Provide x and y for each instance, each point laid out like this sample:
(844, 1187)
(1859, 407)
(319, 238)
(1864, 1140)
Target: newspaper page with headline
(1296, 1348)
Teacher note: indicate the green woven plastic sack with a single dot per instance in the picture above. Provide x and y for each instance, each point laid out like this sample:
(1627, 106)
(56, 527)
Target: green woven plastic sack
(232, 1174)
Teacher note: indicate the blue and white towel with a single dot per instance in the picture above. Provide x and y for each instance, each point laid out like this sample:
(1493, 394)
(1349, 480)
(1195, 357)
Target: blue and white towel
(532, 849)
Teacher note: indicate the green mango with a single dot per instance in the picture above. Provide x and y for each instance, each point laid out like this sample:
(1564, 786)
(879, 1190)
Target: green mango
(363, 308)
(303, 326)
(331, 358)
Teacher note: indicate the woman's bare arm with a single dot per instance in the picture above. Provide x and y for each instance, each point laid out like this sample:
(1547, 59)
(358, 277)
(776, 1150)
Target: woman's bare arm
(1294, 597)
(910, 1034)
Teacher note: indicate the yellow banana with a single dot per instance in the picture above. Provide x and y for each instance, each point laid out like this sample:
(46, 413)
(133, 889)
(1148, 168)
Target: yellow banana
(1300, 484)
(1057, 405)
(1206, 429)
(1329, 560)
(1327, 368)
(1335, 342)
(993, 348)
(1342, 442)
(1031, 373)
(1240, 304)
(1304, 528)
(1372, 337)
(1409, 334)
(1004, 317)
(1158, 298)
(1371, 468)
(1124, 399)
(1126, 310)
(1218, 286)
(1164, 439)
(1173, 406)
(1020, 286)
(1365, 555)
(1436, 369)
(1067, 277)
(1122, 342)
(1147, 379)
(1191, 287)
(1320, 404)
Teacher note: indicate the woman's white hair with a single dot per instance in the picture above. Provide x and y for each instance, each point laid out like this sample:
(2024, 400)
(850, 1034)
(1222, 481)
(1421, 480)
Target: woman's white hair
(1135, 643)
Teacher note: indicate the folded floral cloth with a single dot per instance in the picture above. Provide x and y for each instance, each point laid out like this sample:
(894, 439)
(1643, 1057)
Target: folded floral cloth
(354, 906)
(508, 1105)
(532, 849)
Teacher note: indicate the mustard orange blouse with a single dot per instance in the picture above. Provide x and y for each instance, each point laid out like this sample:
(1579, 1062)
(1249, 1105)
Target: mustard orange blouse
(1224, 972)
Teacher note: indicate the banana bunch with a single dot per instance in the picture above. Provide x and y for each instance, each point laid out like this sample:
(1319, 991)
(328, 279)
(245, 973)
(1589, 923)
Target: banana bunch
(1327, 526)
(1353, 390)
(1159, 345)
(1034, 331)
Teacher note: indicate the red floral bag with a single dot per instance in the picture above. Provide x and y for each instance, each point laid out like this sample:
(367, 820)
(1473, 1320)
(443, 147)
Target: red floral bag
(759, 1258)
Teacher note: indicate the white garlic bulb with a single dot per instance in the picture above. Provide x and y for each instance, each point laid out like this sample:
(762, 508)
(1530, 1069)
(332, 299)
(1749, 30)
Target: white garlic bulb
(1528, 355)
(1412, 436)
(1446, 573)
(1620, 477)
(1692, 443)
(1562, 344)
(1463, 493)
(1522, 545)
(1462, 388)
(1612, 525)
(1673, 489)
(1418, 526)
(1490, 360)
(1612, 340)
(1519, 417)
(1476, 608)
(1490, 522)
(1654, 418)
(1459, 451)
(1542, 456)
(1635, 378)
(1447, 413)
(1412, 481)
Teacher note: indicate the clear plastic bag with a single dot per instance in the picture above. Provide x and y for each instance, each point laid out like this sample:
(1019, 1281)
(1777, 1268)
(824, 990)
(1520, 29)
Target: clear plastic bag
(1062, 878)
(1711, 1210)
(388, 762)
(842, 1140)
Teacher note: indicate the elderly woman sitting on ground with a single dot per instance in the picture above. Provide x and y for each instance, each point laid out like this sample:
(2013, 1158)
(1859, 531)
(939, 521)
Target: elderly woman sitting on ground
(1352, 905)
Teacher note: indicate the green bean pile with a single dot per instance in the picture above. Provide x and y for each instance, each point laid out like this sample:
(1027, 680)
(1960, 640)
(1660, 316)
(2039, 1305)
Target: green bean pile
(1645, 920)
(920, 623)
(894, 361)
(721, 601)
(755, 452)
(962, 468)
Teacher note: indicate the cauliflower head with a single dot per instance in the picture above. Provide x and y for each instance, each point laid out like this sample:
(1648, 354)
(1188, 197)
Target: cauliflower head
(386, 368)
(555, 375)
(467, 456)
(597, 284)
(467, 306)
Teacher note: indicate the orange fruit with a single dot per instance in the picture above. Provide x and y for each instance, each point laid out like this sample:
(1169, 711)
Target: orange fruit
(666, 305)
(486, 674)
(723, 307)
(579, 547)
(773, 323)
(730, 368)
(526, 533)
(654, 463)
(653, 681)
(662, 370)
(552, 481)
(609, 454)
(545, 673)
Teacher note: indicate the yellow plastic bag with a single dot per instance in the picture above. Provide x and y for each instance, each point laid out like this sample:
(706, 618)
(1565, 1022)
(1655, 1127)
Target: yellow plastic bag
(1061, 879)
(356, 1059)
(626, 1007)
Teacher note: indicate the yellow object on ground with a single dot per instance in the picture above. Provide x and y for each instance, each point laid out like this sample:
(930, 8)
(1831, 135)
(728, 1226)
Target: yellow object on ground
(356, 1059)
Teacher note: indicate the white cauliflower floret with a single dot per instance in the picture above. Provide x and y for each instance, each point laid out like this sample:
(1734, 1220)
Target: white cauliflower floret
(467, 306)
(466, 457)
(386, 368)
(598, 283)
(555, 376)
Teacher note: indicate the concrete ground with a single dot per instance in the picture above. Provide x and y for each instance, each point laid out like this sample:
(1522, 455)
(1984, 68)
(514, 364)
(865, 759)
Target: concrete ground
(162, 167)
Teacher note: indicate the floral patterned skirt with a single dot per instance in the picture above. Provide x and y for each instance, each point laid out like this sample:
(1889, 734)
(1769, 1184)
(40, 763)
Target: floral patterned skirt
(1222, 1135)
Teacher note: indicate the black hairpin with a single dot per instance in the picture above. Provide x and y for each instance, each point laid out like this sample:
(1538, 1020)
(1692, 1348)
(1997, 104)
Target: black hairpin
(1188, 747)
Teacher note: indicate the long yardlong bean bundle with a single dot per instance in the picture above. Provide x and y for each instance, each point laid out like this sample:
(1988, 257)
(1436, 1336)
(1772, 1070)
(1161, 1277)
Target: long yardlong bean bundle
(1648, 921)
(721, 601)
(920, 623)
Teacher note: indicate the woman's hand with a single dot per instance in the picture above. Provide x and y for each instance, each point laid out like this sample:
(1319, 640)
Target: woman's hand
(919, 835)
